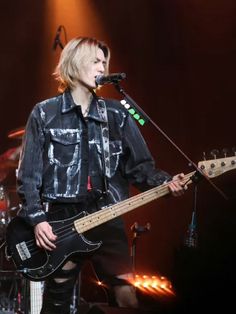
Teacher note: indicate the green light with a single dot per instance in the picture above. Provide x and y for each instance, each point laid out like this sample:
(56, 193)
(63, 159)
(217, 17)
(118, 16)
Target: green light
(131, 111)
(136, 116)
(141, 121)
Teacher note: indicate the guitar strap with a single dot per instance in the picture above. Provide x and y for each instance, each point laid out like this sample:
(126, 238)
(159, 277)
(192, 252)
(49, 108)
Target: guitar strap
(104, 134)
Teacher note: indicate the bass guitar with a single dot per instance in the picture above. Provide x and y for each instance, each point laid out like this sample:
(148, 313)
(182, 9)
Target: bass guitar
(37, 264)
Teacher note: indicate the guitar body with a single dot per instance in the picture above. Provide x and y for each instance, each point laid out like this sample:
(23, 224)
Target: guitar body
(37, 264)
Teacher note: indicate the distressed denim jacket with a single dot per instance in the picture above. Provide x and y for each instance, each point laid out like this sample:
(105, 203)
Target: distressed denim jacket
(61, 150)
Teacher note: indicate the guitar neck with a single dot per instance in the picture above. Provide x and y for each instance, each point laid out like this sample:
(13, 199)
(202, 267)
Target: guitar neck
(110, 212)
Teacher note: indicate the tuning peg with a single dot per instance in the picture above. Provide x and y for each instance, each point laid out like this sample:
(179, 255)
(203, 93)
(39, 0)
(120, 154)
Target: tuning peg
(225, 151)
(214, 153)
(234, 150)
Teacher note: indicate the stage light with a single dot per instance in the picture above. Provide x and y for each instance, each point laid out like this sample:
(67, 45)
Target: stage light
(153, 285)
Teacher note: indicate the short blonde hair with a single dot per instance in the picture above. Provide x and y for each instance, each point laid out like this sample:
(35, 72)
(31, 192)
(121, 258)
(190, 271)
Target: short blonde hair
(73, 56)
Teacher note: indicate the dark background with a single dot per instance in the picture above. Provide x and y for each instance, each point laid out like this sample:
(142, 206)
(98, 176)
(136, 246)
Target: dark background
(180, 61)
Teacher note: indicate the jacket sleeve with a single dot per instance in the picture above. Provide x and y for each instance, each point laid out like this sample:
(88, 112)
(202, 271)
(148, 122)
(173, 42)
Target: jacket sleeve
(139, 166)
(29, 176)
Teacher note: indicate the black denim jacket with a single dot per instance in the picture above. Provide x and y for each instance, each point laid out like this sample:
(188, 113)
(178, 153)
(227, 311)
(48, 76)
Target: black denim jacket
(61, 150)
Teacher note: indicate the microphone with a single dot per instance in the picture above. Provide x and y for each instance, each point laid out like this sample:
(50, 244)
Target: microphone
(57, 40)
(112, 78)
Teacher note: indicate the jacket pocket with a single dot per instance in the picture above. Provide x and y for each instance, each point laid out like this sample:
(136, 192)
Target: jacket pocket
(64, 147)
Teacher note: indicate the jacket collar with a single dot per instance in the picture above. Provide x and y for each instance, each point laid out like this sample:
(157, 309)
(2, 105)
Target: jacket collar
(97, 109)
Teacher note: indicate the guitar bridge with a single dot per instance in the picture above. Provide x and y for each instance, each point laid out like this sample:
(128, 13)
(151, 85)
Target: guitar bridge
(23, 251)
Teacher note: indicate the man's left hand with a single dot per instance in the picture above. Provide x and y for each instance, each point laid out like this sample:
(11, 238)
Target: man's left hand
(177, 186)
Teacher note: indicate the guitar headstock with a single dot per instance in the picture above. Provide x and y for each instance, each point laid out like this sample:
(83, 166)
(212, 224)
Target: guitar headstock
(217, 166)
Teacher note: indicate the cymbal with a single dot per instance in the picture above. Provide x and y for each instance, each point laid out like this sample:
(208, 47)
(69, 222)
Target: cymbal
(6, 168)
(17, 133)
(9, 159)
(9, 162)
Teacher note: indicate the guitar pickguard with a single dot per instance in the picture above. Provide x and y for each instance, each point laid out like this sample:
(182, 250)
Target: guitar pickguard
(37, 264)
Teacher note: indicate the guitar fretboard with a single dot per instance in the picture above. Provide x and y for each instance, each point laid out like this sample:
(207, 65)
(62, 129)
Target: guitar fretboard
(108, 213)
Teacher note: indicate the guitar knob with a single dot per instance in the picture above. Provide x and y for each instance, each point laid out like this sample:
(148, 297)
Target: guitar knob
(49, 266)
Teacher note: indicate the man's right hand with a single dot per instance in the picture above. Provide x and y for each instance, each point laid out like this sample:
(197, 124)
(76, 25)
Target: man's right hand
(44, 236)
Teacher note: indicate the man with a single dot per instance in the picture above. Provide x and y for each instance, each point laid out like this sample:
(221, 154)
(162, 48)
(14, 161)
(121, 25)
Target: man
(82, 152)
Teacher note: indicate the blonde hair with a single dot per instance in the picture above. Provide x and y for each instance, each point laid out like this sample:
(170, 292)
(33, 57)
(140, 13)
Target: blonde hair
(73, 56)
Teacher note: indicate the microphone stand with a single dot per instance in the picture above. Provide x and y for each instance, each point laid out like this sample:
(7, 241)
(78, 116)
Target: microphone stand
(199, 173)
(137, 231)
(191, 240)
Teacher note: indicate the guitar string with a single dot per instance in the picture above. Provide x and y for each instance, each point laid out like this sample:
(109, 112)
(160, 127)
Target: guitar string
(84, 218)
(105, 215)
(60, 230)
(113, 207)
(106, 212)
(33, 242)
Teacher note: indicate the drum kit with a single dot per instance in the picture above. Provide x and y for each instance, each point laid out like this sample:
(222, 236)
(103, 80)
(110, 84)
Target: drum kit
(8, 166)
(10, 281)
